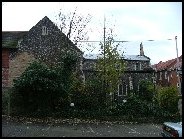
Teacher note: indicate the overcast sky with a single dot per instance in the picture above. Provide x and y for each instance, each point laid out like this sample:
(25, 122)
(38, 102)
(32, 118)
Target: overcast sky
(135, 22)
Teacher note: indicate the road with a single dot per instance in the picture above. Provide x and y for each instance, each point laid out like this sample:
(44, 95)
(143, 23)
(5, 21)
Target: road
(77, 129)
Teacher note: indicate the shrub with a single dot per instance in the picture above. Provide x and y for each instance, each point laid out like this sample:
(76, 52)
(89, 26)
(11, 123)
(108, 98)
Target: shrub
(5, 101)
(38, 89)
(146, 90)
(167, 98)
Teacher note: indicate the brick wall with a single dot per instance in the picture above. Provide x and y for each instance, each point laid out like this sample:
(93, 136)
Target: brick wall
(18, 65)
(5, 58)
(5, 67)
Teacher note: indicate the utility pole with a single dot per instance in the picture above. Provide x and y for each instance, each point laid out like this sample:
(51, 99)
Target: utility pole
(179, 87)
(104, 45)
(104, 64)
(177, 69)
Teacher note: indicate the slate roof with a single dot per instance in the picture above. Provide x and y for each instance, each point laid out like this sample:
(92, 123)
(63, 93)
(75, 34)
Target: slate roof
(136, 57)
(92, 56)
(126, 57)
(10, 38)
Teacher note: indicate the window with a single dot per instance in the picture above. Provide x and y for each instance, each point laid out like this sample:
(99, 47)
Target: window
(178, 85)
(136, 66)
(153, 79)
(168, 78)
(160, 76)
(130, 83)
(120, 90)
(165, 74)
(124, 90)
(19, 42)
(131, 87)
(44, 30)
(140, 66)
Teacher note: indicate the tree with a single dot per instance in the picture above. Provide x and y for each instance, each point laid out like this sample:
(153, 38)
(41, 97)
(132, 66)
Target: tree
(74, 25)
(110, 66)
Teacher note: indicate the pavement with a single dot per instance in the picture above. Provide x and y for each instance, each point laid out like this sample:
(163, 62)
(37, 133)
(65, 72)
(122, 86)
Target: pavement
(78, 128)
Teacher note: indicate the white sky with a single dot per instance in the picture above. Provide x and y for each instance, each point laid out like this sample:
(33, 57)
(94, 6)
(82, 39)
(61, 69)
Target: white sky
(132, 21)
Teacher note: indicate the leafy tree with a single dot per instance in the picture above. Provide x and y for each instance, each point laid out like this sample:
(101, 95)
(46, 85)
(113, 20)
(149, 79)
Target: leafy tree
(110, 67)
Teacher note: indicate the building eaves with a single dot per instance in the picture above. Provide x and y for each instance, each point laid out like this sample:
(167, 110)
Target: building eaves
(10, 38)
(125, 57)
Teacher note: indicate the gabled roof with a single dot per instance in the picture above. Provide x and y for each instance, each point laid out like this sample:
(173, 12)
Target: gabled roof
(10, 38)
(136, 57)
(167, 64)
(125, 57)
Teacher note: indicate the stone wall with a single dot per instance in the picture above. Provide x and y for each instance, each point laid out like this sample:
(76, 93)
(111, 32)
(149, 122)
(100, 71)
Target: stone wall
(135, 76)
(130, 65)
(47, 47)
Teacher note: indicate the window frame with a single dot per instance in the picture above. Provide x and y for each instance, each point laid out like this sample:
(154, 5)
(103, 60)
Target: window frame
(44, 30)
(165, 74)
(140, 66)
(160, 76)
(119, 89)
(124, 92)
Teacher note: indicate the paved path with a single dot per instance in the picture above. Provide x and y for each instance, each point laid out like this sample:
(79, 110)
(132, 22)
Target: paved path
(103, 129)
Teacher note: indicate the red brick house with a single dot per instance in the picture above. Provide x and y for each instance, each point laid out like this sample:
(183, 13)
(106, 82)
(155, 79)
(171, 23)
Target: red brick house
(166, 73)
(9, 43)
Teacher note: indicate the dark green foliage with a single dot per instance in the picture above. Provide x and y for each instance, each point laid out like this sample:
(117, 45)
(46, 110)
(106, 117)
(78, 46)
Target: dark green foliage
(5, 99)
(38, 89)
(146, 90)
(136, 108)
(41, 90)
(167, 98)
(89, 97)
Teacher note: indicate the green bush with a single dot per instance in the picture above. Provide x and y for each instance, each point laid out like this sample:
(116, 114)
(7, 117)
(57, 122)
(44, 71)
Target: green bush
(167, 98)
(5, 101)
(88, 97)
(43, 90)
(146, 90)
(38, 90)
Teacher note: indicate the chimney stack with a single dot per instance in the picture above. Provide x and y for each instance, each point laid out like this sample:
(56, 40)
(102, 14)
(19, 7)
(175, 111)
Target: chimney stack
(141, 50)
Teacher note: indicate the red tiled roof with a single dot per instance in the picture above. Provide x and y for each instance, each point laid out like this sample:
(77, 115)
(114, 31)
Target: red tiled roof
(164, 65)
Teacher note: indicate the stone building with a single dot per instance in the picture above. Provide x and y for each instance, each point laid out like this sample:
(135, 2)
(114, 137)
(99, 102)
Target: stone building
(137, 68)
(43, 42)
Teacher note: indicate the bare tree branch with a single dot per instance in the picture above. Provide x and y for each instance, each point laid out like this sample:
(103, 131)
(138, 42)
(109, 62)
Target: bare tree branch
(74, 25)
